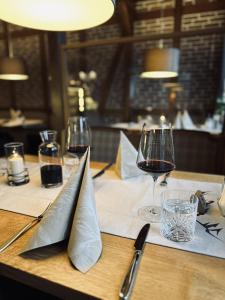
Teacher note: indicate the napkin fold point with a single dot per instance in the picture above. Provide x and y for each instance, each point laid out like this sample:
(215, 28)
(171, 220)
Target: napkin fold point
(126, 159)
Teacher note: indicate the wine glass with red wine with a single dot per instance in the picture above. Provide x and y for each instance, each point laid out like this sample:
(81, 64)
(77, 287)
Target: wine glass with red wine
(156, 157)
(78, 136)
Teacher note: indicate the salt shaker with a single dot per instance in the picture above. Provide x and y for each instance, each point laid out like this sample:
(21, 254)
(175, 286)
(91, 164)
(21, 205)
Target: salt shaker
(16, 170)
(50, 160)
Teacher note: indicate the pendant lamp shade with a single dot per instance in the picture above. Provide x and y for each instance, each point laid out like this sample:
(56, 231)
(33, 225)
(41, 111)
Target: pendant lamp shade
(12, 68)
(161, 63)
(57, 15)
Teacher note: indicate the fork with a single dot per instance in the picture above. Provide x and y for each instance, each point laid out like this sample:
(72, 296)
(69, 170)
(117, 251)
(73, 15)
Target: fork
(36, 220)
(164, 181)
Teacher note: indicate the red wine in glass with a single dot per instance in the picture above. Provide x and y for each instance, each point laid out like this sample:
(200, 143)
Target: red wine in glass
(156, 157)
(51, 175)
(156, 167)
(78, 150)
(78, 136)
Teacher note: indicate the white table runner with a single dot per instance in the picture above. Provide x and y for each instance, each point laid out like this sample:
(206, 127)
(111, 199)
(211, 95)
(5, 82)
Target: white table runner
(29, 199)
(117, 203)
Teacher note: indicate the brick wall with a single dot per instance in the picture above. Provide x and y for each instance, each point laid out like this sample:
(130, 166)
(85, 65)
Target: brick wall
(200, 61)
(200, 71)
(159, 25)
(28, 94)
(150, 5)
(204, 20)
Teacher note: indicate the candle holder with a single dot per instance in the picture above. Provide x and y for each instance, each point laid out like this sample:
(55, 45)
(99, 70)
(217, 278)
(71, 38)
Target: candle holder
(17, 173)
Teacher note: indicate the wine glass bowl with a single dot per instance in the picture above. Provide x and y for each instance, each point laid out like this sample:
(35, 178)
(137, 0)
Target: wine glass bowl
(156, 157)
(78, 136)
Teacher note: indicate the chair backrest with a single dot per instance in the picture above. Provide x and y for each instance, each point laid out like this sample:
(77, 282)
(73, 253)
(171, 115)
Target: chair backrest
(4, 138)
(195, 151)
(104, 145)
(198, 151)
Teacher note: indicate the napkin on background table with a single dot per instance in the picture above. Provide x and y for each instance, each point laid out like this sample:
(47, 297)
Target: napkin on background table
(187, 121)
(126, 159)
(73, 216)
(178, 121)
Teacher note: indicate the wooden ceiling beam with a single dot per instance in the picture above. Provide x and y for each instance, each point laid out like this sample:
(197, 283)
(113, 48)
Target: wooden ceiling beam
(204, 7)
(141, 38)
(177, 22)
(125, 15)
(111, 71)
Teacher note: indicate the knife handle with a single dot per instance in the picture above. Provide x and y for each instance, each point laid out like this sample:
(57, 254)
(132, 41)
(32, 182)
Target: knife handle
(128, 282)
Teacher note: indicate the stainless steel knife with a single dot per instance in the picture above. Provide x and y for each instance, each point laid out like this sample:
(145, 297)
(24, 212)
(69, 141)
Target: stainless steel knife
(101, 172)
(129, 279)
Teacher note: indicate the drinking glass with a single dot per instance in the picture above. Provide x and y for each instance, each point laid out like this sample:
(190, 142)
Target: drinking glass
(78, 136)
(178, 217)
(156, 157)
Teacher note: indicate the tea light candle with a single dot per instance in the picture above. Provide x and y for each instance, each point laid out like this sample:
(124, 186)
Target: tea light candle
(16, 165)
(162, 119)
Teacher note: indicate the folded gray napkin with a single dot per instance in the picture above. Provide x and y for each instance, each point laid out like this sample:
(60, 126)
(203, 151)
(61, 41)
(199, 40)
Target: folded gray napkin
(126, 166)
(73, 217)
(178, 121)
(221, 203)
(187, 121)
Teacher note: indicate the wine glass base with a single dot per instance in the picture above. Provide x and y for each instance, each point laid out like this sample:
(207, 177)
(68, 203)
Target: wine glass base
(150, 213)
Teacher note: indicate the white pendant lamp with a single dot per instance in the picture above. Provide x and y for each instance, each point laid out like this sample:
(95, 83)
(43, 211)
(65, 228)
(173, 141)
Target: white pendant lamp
(161, 63)
(12, 68)
(57, 15)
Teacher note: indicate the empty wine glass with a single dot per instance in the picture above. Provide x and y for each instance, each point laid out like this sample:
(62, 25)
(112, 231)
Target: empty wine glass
(156, 157)
(78, 136)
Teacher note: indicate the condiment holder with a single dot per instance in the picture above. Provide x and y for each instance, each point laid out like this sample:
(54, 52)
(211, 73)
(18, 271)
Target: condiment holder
(17, 173)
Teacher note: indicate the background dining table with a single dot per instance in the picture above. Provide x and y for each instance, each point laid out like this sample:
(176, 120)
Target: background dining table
(164, 273)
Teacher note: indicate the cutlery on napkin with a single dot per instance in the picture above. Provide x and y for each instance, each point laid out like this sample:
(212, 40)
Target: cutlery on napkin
(72, 217)
(126, 159)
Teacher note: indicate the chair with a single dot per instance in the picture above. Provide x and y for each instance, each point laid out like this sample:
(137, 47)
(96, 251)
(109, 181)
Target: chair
(105, 143)
(198, 151)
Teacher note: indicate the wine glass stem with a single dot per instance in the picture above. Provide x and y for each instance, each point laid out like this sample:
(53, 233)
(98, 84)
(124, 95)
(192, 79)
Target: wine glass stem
(153, 191)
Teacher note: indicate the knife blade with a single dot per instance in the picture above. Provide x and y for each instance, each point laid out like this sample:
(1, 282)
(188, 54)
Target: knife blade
(129, 279)
(101, 172)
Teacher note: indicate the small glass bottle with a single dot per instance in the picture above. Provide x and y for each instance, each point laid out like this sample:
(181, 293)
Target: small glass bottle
(50, 160)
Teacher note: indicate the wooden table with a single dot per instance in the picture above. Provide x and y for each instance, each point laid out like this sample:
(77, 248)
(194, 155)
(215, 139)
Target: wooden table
(164, 273)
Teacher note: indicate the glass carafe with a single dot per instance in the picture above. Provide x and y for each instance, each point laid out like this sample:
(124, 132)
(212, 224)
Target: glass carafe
(50, 159)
